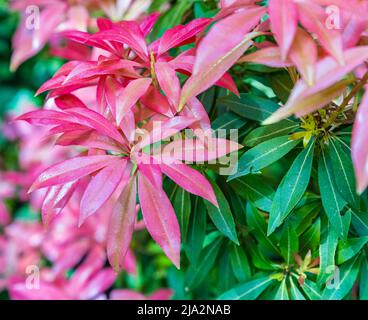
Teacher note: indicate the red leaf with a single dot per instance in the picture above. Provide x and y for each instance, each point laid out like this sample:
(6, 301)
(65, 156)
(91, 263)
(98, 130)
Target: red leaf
(121, 225)
(160, 218)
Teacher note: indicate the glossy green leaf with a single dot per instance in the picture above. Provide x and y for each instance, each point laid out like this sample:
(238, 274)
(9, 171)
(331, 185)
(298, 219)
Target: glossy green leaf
(289, 243)
(256, 190)
(222, 216)
(197, 273)
(340, 287)
(259, 230)
(228, 121)
(291, 188)
(311, 290)
(250, 290)
(332, 201)
(182, 207)
(196, 230)
(265, 133)
(249, 106)
(282, 291)
(171, 18)
(363, 280)
(295, 293)
(239, 263)
(263, 155)
(350, 248)
(359, 220)
(343, 172)
(281, 85)
(311, 238)
(327, 251)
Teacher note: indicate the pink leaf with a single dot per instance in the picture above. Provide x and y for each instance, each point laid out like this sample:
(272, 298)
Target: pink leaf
(121, 225)
(88, 138)
(284, 22)
(4, 214)
(29, 41)
(194, 108)
(161, 294)
(304, 54)
(148, 23)
(127, 32)
(55, 201)
(179, 35)
(71, 170)
(96, 121)
(129, 97)
(125, 294)
(90, 69)
(192, 150)
(160, 218)
(150, 169)
(305, 99)
(19, 290)
(189, 179)
(98, 284)
(169, 82)
(270, 56)
(227, 82)
(93, 263)
(155, 101)
(313, 18)
(68, 101)
(220, 49)
(100, 189)
(165, 129)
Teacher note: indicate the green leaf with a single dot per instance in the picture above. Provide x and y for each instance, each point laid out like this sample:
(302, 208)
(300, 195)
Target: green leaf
(250, 290)
(311, 238)
(291, 188)
(348, 273)
(281, 85)
(295, 293)
(363, 281)
(239, 263)
(170, 18)
(227, 121)
(196, 231)
(259, 229)
(182, 206)
(224, 268)
(343, 172)
(207, 98)
(282, 292)
(202, 11)
(304, 215)
(327, 250)
(346, 221)
(350, 248)
(238, 206)
(360, 222)
(263, 155)
(332, 201)
(265, 133)
(289, 243)
(311, 290)
(198, 273)
(249, 106)
(222, 216)
(256, 190)
(259, 260)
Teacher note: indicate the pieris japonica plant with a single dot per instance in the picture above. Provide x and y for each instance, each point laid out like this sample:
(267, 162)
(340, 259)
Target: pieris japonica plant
(234, 135)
